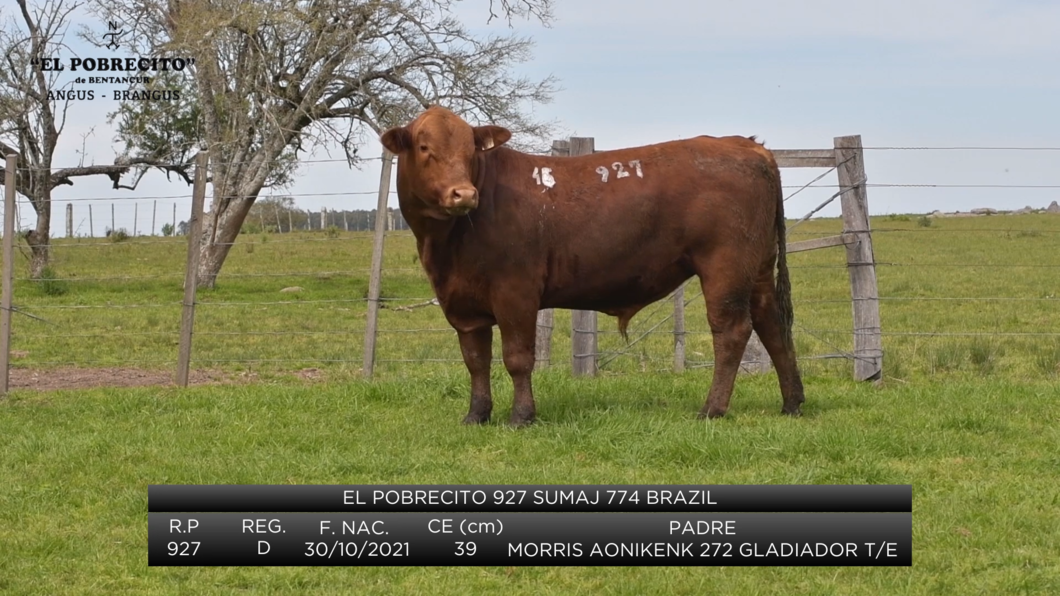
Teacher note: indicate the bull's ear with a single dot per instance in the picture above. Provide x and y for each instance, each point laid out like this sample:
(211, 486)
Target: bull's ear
(488, 137)
(397, 139)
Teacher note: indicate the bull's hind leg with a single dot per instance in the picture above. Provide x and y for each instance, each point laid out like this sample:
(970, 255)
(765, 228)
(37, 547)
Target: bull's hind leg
(769, 324)
(730, 324)
(518, 333)
(477, 349)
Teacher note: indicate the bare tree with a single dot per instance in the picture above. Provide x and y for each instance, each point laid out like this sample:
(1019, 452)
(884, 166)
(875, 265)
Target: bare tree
(33, 110)
(273, 78)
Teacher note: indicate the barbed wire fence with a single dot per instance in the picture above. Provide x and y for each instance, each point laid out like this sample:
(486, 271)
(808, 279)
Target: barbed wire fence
(366, 299)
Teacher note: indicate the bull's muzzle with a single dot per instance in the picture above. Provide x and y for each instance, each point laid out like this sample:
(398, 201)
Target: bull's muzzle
(460, 201)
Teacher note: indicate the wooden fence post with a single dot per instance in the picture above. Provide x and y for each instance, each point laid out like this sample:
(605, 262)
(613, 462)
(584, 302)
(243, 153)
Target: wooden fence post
(755, 357)
(191, 273)
(679, 329)
(583, 322)
(375, 280)
(7, 293)
(136, 212)
(154, 212)
(868, 344)
(91, 226)
(69, 220)
(112, 229)
(546, 318)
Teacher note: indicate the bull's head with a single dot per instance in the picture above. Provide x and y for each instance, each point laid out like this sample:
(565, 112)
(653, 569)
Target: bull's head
(436, 152)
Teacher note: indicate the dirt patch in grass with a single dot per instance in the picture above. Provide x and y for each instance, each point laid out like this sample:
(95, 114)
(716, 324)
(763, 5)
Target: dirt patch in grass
(73, 377)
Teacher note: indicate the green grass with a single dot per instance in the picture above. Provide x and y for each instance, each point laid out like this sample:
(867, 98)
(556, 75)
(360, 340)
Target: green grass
(968, 419)
(981, 456)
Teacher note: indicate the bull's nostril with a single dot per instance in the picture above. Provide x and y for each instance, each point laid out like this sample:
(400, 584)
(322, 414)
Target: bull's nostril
(464, 195)
(460, 200)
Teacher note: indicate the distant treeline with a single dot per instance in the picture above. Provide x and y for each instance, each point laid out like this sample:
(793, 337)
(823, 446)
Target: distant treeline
(279, 214)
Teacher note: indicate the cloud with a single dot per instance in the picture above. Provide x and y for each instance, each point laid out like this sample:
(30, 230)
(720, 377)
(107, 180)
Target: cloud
(965, 26)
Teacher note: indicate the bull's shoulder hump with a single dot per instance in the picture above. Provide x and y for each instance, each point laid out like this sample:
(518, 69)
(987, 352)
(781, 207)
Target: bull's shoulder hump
(652, 149)
(702, 141)
(735, 146)
(730, 146)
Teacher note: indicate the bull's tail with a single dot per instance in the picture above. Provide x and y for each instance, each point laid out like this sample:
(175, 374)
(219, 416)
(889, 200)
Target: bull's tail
(783, 293)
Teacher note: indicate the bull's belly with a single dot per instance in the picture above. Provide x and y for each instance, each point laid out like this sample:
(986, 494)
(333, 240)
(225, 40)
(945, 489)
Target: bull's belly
(614, 293)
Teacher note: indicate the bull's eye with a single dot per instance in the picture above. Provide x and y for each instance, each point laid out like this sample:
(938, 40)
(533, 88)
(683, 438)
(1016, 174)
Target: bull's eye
(423, 148)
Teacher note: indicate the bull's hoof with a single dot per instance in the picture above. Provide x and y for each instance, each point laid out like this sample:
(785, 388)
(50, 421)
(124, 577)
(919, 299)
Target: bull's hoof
(474, 418)
(794, 412)
(521, 418)
(710, 412)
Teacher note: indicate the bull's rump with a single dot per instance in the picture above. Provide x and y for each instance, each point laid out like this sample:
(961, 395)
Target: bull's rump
(632, 239)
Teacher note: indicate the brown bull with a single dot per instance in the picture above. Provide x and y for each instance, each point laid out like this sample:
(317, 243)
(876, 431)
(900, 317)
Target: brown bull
(502, 234)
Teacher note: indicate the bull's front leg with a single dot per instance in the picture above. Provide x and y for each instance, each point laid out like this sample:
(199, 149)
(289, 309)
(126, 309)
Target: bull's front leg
(477, 349)
(517, 338)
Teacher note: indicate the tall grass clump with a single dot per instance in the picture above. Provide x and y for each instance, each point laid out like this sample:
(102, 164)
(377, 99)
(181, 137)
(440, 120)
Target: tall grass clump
(50, 284)
(984, 354)
(119, 235)
(947, 357)
(1047, 356)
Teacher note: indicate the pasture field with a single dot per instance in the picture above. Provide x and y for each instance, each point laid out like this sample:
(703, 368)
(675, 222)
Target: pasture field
(991, 283)
(969, 418)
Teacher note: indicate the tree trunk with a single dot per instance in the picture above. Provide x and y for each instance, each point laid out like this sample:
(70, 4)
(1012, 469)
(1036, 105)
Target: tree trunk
(213, 253)
(39, 242)
(39, 239)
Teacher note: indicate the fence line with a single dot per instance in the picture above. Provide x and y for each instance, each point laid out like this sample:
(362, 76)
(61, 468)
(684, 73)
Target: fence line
(330, 217)
(164, 240)
(113, 198)
(652, 331)
(643, 347)
(964, 148)
(354, 272)
(54, 168)
(584, 329)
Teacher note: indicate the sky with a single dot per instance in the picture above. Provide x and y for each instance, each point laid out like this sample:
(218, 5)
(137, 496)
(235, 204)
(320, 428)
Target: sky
(902, 74)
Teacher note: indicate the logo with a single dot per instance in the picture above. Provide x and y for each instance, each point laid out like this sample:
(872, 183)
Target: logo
(136, 73)
(113, 35)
